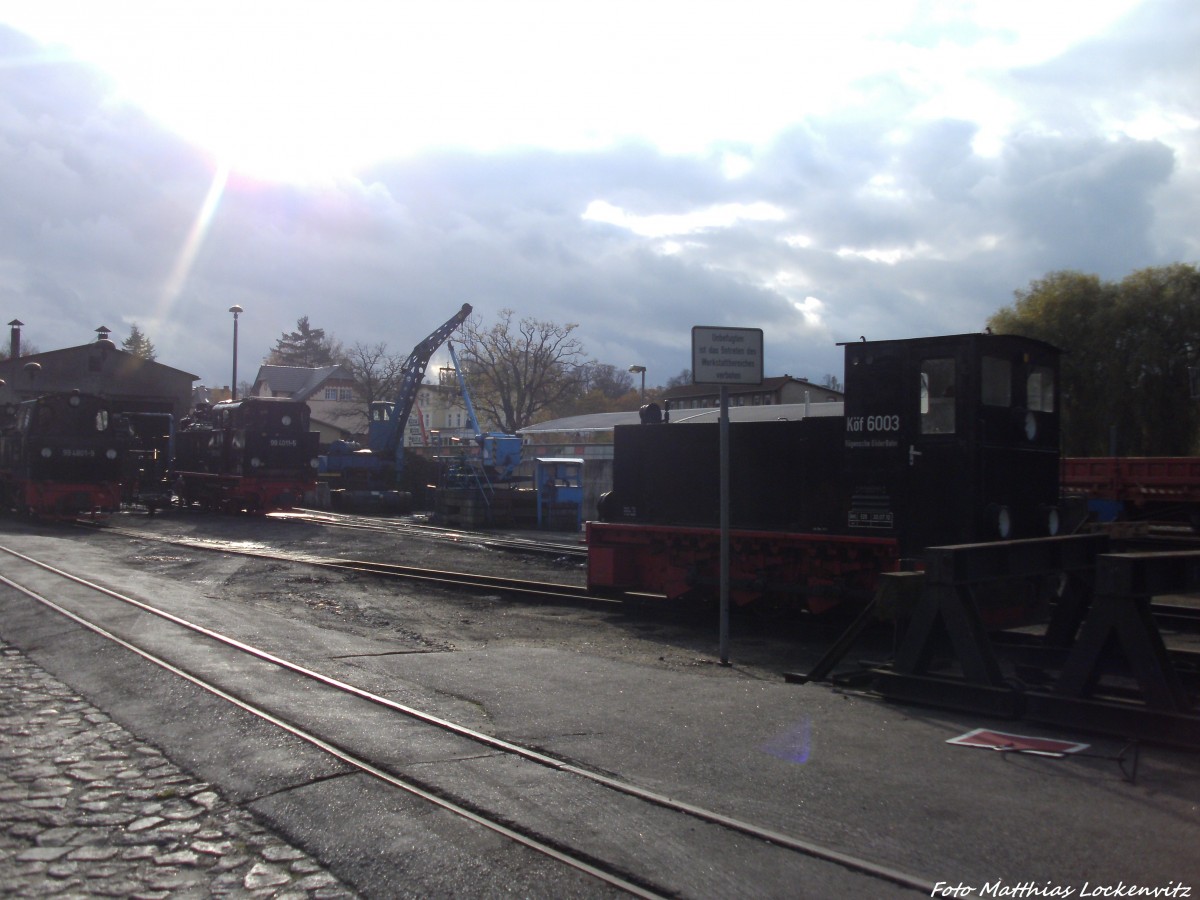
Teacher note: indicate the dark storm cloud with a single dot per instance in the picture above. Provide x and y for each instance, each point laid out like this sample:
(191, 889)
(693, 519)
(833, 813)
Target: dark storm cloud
(1085, 204)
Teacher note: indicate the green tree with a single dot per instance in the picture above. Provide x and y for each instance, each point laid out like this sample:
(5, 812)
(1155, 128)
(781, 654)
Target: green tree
(518, 370)
(1128, 347)
(138, 344)
(306, 347)
(1158, 324)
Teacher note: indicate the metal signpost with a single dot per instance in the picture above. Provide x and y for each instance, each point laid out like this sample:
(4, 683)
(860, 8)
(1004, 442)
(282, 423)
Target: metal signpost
(725, 356)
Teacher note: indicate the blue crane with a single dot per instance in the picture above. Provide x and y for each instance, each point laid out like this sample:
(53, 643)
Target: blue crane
(385, 433)
(499, 453)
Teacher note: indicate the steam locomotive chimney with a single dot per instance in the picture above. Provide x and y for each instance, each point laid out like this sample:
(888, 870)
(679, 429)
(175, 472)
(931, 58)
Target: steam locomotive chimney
(14, 341)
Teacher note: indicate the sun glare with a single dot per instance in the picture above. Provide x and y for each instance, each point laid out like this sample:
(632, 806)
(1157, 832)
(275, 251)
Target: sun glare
(305, 89)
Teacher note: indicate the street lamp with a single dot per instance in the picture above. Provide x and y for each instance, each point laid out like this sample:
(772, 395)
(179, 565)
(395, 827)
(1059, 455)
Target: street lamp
(236, 310)
(642, 370)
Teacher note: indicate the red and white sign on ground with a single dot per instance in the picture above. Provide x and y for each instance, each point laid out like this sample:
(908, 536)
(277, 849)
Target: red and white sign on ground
(1016, 743)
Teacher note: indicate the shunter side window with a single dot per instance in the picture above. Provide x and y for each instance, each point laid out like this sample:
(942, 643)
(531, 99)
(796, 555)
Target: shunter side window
(937, 396)
(1039, 389)
(996, 386)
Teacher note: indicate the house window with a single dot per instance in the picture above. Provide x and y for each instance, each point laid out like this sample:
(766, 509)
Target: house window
(331, 393)
(345, 393)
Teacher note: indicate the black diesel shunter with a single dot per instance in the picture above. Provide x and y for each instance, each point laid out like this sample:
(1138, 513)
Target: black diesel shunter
(943, 440)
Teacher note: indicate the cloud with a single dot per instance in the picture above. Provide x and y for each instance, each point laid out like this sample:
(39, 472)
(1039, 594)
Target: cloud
(902, 209)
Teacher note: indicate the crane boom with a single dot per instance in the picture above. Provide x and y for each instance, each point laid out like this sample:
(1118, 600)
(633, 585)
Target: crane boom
(499, 452)
(466, 395)
(388, 440)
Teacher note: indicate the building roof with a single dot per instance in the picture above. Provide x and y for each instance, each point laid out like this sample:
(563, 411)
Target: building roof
(597, 422)
(46, 358)
(772, 384)
(298, 382)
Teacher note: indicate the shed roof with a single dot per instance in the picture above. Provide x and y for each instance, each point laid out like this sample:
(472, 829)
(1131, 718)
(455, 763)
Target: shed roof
(607, 421)
(770, 384)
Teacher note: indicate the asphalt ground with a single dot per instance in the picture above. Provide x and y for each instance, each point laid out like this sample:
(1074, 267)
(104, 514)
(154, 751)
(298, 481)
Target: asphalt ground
(835, 767)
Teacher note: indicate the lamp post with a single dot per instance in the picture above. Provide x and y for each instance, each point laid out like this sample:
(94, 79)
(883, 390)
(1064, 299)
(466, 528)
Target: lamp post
(236, 310)
(642, 371)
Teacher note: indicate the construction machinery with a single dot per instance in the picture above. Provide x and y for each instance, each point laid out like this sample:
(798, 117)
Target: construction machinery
(370, 477)
(469, 482)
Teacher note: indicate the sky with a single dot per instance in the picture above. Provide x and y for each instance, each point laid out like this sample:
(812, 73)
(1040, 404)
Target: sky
(878, 168)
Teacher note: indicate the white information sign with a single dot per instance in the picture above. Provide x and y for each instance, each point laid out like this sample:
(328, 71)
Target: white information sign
(727, 355)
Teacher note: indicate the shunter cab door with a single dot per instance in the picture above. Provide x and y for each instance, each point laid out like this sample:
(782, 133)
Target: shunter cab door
(940, 491)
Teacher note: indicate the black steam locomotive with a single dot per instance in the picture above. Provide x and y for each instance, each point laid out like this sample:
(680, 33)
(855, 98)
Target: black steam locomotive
(254, 455)
(943, 440)
(61, 456)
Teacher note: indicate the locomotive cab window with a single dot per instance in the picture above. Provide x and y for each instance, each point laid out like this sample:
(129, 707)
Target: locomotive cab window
(1039, 389)
(996, 384)
(937, 396)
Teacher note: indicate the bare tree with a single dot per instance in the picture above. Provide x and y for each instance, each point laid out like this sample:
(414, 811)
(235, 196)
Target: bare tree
(606, 379)
(376, 372)
(26, 349)
(515, 370)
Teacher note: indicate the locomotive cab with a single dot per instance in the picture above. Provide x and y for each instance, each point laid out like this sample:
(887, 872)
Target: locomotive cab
(255, 454)
(61, 456)
(952, 439)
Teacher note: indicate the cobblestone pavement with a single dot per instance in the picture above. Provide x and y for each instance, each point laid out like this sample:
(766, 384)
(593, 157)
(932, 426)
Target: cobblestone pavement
(87, 810)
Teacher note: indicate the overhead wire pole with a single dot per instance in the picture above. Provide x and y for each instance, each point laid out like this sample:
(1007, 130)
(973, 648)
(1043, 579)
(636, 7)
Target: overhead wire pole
(723, 642)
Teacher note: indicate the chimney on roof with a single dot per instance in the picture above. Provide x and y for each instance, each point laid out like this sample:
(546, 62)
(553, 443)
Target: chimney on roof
(103, 332)
(14, 340)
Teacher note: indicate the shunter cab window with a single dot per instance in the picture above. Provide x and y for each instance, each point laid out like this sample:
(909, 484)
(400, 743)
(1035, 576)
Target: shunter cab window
(996, 384)
(1039, 389)
(937, 396)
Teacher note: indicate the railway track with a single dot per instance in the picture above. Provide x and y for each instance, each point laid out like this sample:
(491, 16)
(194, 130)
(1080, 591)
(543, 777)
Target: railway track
(491, 540)
(315, 707)
(1177, 614)
(527, 589)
